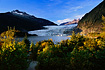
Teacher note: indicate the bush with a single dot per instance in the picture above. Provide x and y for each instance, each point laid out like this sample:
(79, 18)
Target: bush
(78, 53)
(13, 55)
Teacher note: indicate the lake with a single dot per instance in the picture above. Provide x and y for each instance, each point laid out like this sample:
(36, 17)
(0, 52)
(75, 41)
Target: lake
(55, 39)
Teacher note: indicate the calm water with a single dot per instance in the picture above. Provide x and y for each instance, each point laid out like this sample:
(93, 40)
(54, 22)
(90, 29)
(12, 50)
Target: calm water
(55, 39)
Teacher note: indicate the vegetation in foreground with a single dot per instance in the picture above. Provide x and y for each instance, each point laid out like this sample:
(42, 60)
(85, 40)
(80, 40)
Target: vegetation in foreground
(78, 53)
(13, 54)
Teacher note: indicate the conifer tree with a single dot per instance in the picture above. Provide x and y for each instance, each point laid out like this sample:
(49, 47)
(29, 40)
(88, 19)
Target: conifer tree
(103, 19)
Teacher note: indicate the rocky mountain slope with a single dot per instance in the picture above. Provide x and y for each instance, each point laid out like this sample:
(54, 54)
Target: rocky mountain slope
(92, 21)
(75, 21)
(22, 21)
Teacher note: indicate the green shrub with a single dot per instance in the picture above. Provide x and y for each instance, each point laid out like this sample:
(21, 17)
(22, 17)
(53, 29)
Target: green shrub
(78, 53)
(13, 55)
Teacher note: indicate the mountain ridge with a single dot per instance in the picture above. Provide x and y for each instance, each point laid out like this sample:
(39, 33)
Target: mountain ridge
(23, 21)
(75, 21)
(92, 21)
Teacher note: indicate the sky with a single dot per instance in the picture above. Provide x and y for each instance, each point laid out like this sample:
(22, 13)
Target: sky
(58, 11)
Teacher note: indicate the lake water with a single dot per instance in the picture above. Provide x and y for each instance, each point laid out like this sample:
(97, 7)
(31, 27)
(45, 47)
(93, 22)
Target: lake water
(52, 32)
(55, 39)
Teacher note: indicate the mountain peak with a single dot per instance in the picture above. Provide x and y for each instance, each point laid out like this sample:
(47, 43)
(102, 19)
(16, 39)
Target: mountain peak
(19, 13)
(22, 21)
(75, 21)
(16, 11)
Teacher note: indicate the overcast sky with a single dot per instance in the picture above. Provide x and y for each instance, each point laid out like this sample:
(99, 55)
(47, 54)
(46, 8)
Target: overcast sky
(58, 11)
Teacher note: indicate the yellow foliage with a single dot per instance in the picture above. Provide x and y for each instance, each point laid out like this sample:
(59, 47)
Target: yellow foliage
(38, 52)
(44, 44)
(8, 41)
(99, 42)
(81, 48)
(45, 49)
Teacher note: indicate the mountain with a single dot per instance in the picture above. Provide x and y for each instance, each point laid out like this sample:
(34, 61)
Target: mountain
(75, 21)
(22, 21)
(92, 21)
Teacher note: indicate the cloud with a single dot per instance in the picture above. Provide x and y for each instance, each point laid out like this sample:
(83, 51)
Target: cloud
(80, 16)
(69, 9)
(64, 20)
(76, 8)
(68, 19)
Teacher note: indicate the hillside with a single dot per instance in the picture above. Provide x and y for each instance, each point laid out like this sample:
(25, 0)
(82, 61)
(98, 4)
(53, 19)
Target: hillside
(75, 21)
(92, 21)
(22, 21)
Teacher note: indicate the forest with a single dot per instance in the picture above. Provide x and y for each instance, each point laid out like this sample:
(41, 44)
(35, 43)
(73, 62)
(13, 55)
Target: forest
(78, 53)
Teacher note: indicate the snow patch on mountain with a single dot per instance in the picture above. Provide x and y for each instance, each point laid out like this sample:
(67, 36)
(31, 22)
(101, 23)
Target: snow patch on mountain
(75, 21)
(17, 12)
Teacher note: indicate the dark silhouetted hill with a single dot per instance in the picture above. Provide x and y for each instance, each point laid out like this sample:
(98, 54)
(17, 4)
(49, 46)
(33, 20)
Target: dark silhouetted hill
(22, 21)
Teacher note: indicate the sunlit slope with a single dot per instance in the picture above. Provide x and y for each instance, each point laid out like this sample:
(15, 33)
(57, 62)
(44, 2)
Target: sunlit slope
(92, 21)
